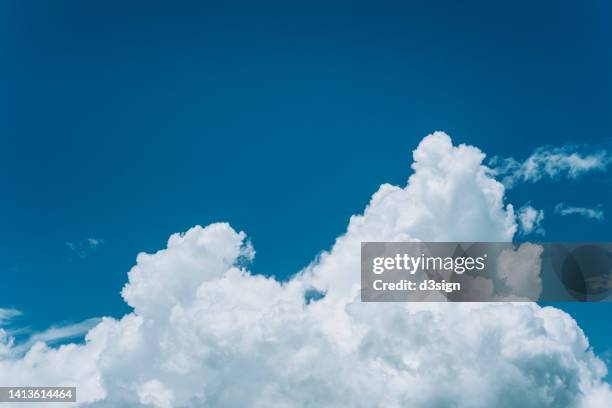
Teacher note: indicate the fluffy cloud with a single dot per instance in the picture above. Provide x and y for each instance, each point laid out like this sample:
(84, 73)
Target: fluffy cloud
(530, 220)
(520, 270)
(205, 332)
(549, 163)
(592, 213)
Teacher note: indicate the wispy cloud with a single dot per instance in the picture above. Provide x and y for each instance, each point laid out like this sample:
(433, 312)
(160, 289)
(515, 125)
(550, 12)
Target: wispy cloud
(530, 220)
(95, 242)
(7, 314)
(7, 341)
(52, 336)
(55, 334)
(85, 247)
(591, 213)
(549, 163)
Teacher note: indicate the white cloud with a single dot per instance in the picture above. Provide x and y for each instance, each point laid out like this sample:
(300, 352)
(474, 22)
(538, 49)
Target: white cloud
(591, 213)
(8, 314)
(6, 340)
(154, 393)
(85, 247)
(551, 163)
(94, 243)
(58, 333)
(520, 270)
(53, 335)
(530, 220)
(206, 333)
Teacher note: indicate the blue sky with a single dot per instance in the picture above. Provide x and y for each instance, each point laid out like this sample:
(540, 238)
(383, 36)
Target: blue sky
(127, 123)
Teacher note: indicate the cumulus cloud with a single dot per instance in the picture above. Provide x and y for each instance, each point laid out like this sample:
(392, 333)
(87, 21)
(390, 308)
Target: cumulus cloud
(205, 332)
(85, 247)
(591, 213)
(530, 220)
(520, 270)
(549, 163)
